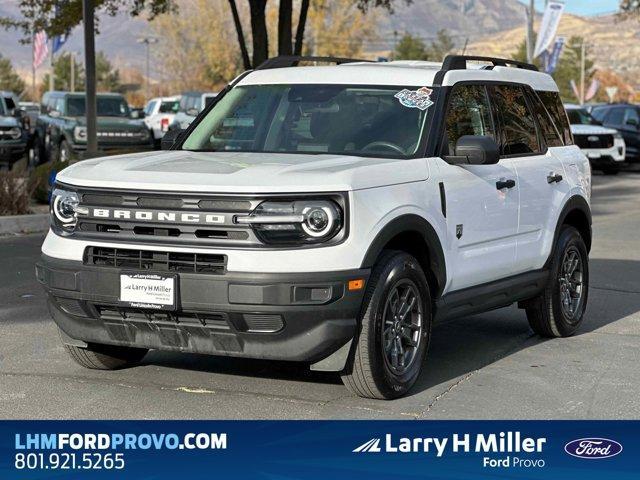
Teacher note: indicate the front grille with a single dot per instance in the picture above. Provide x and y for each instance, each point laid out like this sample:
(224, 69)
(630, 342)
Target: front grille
(165, 219)
(4, 133)
(593, 141)
(213, 320)
(156, 260)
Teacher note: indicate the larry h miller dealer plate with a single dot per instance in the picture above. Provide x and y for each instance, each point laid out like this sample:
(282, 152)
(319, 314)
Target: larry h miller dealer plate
(148, 290)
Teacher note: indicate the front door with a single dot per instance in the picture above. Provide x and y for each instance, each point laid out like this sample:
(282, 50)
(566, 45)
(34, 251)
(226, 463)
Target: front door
(481, 200)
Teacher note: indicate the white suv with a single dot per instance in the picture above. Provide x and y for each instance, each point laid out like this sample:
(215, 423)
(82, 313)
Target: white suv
(604, 147)
(329, 215)
(159, 113)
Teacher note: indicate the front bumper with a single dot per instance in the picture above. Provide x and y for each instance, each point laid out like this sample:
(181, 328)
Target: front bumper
(606, 156)
(296, 317)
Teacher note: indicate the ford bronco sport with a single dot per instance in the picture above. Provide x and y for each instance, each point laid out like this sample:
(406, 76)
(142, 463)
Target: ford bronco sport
(329, 215)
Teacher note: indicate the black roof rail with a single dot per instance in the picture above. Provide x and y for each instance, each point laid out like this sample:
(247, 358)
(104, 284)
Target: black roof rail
(283, 61)
(459, 62)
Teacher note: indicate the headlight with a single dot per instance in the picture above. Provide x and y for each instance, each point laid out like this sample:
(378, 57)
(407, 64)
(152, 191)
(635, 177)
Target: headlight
(299, 221)
(64, 210)
(15, 133)
(80, 134)
(617, 136)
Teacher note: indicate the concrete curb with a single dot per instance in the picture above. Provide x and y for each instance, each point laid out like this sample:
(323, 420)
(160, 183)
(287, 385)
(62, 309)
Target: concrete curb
(16, 224)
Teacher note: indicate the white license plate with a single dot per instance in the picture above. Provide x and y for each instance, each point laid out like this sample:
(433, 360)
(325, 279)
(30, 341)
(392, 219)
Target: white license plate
(145, 290)
(594, 155)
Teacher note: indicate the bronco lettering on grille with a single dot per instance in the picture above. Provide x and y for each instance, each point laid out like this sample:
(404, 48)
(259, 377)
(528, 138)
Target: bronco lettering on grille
(155, 216)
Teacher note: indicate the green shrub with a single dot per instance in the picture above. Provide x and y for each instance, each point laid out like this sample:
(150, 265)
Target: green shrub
(40, 179)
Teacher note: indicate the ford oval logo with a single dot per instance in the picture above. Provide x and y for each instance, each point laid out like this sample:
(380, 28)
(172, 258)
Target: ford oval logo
(593, 448)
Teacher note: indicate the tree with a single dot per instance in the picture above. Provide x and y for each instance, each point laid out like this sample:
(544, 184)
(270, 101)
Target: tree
(9, 79)
(108, 78)
(630, 7)
(441, 46)
(57, 18)
(260, 33)
(568, 67)
(338, 28)
(62, 74)
(413, 48)
(410, 48)
(202, 64)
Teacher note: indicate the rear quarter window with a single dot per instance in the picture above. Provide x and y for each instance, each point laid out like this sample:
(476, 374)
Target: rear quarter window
(520, 135)
(553, 104)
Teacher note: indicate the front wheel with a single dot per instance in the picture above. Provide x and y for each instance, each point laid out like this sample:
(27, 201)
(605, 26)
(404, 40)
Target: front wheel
(559, 310)
(388, 353)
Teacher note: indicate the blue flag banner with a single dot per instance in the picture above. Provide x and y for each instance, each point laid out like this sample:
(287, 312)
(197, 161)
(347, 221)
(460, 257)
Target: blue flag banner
(552, 59)
(320, 449)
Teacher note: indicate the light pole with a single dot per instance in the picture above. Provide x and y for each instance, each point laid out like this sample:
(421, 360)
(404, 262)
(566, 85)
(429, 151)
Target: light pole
(147, 41)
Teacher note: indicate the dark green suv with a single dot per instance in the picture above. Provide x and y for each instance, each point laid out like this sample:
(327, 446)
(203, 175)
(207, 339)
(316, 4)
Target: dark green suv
(61, 133)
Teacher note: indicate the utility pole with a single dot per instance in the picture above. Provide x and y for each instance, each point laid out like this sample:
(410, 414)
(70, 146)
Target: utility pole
(582, 70)
(530, 34)
(33, 68)
(90, 77)
(147, 41)
(72, 61)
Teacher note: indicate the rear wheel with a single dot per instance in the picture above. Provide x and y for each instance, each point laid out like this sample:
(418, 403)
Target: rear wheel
(105, 357)
(559, 310)
(387, 355)
(64, 152)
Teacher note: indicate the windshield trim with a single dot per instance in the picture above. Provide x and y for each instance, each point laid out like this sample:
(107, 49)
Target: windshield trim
(420, 150)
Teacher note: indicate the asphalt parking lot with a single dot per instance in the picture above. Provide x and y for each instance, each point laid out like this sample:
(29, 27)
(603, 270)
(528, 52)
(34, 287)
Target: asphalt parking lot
(485, 366)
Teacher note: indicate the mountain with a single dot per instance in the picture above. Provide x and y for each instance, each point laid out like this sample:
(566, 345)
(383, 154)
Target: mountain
(611, 42)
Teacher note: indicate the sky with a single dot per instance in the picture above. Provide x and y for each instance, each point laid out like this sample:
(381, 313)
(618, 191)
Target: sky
(584, 7)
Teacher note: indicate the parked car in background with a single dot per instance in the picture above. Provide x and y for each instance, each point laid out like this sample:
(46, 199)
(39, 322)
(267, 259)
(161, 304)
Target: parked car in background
(191, 104)
(625, 118)
(159, 114)
(61, 131)
(14, 136)
(604, 147)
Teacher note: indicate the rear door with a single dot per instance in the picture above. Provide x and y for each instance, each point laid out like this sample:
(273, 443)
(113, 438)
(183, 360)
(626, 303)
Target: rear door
(528, 132)
(482, 219)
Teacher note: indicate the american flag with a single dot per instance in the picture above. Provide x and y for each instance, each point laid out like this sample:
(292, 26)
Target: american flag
(40, 49)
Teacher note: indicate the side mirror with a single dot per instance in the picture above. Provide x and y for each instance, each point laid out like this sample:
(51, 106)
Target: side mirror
(192, 112)
(475, 150)
(170, 138)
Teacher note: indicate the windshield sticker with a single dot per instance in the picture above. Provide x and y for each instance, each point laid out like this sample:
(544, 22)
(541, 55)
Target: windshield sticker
(420, 98)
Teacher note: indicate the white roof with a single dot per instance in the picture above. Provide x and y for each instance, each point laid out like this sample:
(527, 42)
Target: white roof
(402, 73)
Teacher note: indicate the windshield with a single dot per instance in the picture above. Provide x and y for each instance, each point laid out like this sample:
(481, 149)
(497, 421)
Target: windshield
(578, 116)
(170, 106)
(107, 107)
(338, 119)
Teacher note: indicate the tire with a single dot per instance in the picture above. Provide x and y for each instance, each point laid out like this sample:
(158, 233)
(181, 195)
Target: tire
(35, 155)
(64, 153)
(105, 357)
(370, 370)
(548, 315)
(611, 170)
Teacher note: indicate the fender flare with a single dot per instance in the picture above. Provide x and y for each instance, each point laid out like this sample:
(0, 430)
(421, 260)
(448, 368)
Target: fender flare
(576, 202)
(411, 223)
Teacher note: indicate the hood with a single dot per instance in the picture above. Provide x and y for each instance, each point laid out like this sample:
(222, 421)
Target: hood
(9, 122)
(240, 172)
(592, 130)
(123, 123)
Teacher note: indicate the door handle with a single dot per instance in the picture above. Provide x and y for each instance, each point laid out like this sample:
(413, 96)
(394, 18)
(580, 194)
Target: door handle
(554, 177)
(500, 184)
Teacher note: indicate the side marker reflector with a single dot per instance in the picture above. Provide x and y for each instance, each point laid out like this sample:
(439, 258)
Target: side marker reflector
(356, 284)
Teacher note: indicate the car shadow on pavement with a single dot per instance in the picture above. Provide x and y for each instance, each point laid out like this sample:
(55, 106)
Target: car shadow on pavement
(459, 347)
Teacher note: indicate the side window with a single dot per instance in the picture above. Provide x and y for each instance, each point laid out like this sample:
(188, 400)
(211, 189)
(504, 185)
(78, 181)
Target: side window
(549, 133)
(150, 107)
(520, 136)
(553, 103)
(468, 113)
(60, 105)
(183, 103)
(616, 116)
(631, 117)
